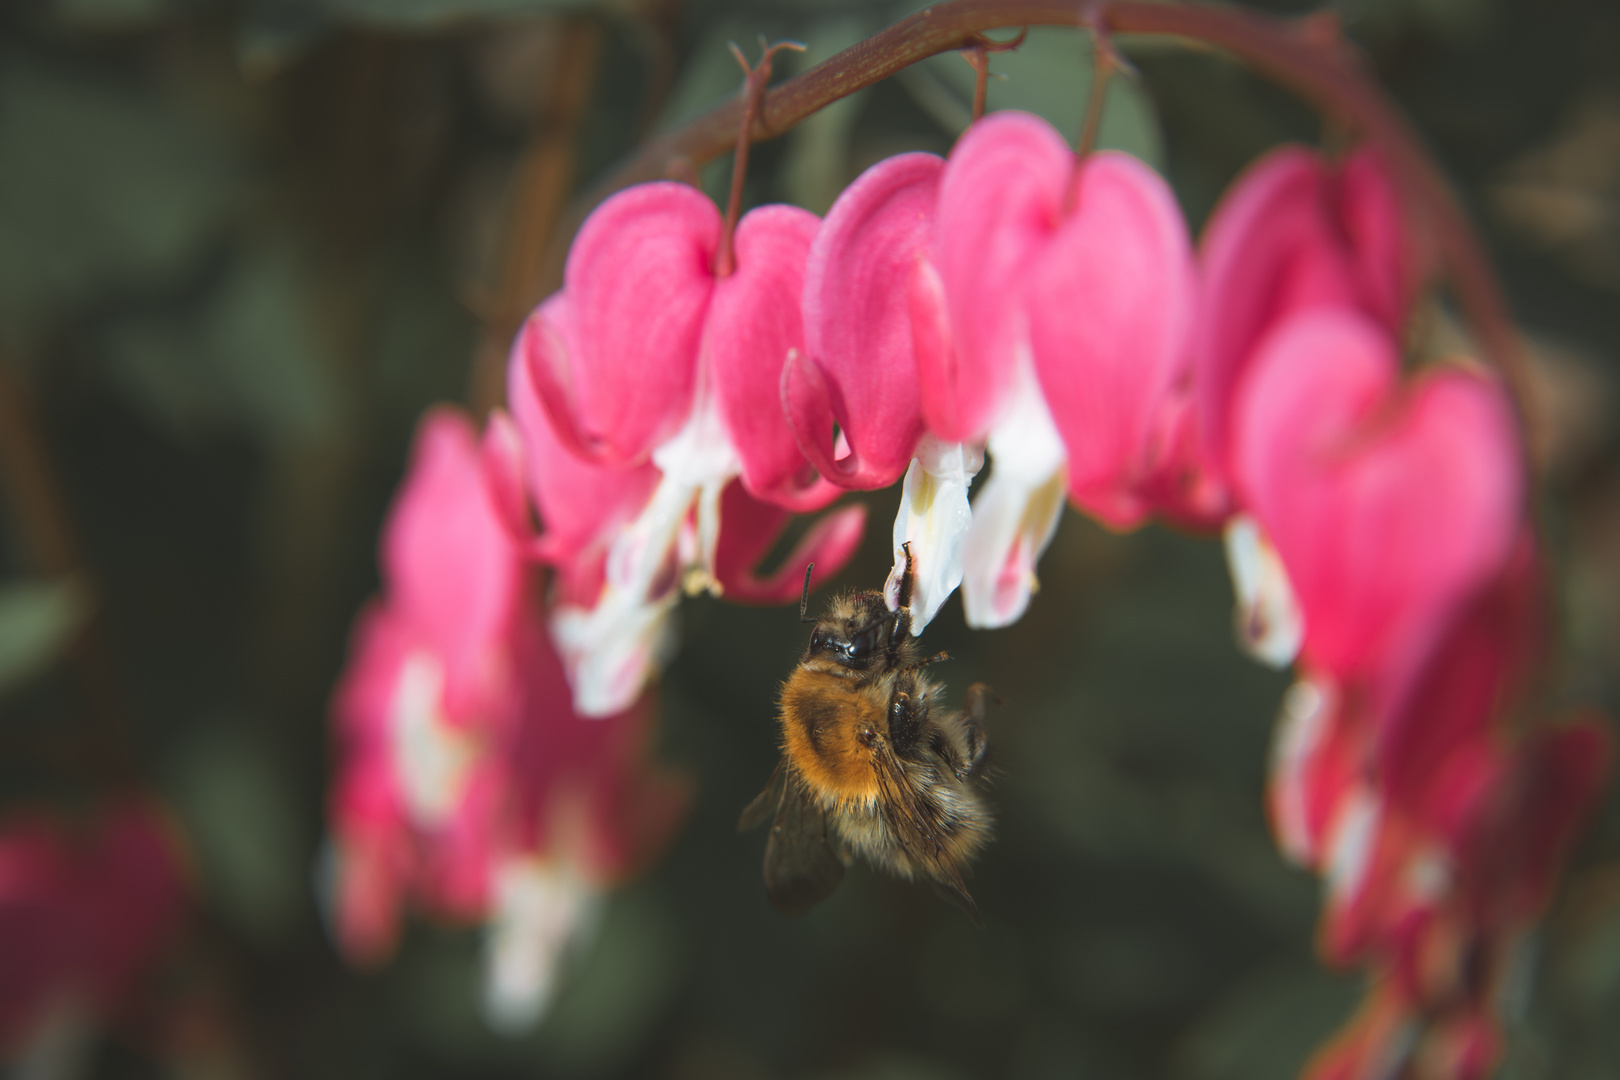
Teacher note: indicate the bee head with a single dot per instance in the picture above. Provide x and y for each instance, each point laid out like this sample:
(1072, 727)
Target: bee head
(854, 631)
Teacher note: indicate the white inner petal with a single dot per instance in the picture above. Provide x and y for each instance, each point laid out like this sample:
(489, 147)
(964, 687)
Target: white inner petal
(1270, 625)
(1015, 513)
(1301, 726)
(431, 757)
(934, 518)
(1350, 843)
(612, 649)
(541, 908)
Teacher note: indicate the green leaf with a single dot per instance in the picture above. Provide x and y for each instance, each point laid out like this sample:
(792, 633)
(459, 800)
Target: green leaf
(37, 620)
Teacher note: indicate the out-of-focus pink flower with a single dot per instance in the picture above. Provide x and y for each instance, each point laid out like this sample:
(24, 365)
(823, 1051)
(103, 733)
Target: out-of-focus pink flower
(1442, 920)
(1387, 503)
(497, 803)
(657, 432)
(85, 910)
(1293, 234)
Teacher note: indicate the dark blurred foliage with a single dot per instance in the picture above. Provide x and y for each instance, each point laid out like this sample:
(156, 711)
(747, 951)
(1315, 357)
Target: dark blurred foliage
(242, 245)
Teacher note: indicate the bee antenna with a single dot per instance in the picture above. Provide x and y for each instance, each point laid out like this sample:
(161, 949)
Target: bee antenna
(804, 597)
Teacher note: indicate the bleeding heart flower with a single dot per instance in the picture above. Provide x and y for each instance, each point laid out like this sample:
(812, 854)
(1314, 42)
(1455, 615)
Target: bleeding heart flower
(1051, 320)
(625, 540)
(1293, 234)
(462, 801)
(628, 531)
(1387, 504)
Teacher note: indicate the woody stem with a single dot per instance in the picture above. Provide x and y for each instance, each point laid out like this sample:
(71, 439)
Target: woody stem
(758, 77)
(1309, 56)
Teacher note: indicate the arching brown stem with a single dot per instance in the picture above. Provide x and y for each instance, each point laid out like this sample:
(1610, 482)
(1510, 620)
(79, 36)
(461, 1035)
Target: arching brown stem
(1309, 56)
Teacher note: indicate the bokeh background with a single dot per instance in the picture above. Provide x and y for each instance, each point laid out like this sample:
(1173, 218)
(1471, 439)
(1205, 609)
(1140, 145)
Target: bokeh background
(243, 243)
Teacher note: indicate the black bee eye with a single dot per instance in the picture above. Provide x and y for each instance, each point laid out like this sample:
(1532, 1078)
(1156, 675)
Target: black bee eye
(818, 640)
(864, 642)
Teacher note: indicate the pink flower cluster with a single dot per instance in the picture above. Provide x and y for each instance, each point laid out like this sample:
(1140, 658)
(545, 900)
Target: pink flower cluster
(1051, 312)
(85, 911)
(1380, 543)
(466, 782)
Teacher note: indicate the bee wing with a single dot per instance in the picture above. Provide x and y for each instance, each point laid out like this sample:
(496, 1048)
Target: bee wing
(801, 868)
(917, 822)
(766, 802)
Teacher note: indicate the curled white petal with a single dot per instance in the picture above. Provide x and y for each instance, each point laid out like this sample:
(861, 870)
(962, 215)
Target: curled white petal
(934, 518)
(612, 650)
(1350, 842)
(541, 909)
(1302, 724)
(430, 757)
(1270, 625)
(1016, 512)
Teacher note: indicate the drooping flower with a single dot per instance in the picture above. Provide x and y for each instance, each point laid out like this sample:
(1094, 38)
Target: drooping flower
(1294, 233)
(495, 802)
(1047, 307)
(85, 911)
(1387, 503)
(649, 369)
(858, 373)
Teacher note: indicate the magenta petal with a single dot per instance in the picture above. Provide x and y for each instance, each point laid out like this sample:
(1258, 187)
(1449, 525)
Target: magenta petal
(857, 325)
(1272, 246)
(1469, 679)
(1386, 509)
(1370, 208)
(579, 501)
(638, 280)
(748, 530)
(1000, 199)
(451, 567)
(754, 322)
(1110, 307)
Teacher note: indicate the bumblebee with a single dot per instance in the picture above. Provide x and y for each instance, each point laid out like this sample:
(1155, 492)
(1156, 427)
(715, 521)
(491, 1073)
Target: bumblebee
(872, 763)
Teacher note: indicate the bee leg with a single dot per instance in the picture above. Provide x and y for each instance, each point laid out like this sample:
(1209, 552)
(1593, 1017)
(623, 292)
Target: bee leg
(904, 720)
(902, 610)
(974, 710)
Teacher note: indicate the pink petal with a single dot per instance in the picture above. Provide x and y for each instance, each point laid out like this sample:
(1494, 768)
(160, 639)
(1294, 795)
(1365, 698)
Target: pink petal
(1467, 682)
(500, 454)
(1275, 245)
(749, 529)
(1386, 266)
(858, 369)
(451, 568)
(638, 280)
(754, 321)
(1110, 305)
(1385, 509)
(1000, 201)
(581, 503)
(568, 768)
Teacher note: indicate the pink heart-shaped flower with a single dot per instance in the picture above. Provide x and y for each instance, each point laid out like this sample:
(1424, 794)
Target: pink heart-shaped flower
(1387, 502)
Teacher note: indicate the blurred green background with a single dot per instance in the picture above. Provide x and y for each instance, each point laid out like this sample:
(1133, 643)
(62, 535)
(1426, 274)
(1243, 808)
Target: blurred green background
(243, 244)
